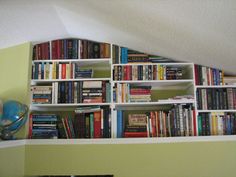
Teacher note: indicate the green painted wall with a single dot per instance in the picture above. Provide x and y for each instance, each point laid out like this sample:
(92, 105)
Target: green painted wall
(215, 159)
(15, 72)
(12, 161)
(14, 77)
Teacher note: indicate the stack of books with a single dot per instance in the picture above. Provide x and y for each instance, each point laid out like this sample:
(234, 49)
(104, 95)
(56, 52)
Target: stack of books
(96, 92)
(140, 93)
(173, 73)
(41, 94)
(43, 126)
(136, 126)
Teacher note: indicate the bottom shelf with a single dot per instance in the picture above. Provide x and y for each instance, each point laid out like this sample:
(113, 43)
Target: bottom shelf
(13, 143)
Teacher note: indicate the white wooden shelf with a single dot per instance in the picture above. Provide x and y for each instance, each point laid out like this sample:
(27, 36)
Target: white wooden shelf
(34, 81)
(167, 102)
(171, 84)
(62, 106)
(92, 60)
(187, 84)
(155, 140)
(155, 81)
(221, 110)
(215, 86)
(148, 63)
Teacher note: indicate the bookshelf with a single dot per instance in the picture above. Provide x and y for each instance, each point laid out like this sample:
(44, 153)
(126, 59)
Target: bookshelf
(131, 85)
(215, 100)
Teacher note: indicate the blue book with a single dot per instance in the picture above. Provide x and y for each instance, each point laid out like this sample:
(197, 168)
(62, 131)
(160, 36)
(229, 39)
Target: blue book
(124, 55)
(42, 70)
(228, 125)
(65, 49)
(36, 71)
(119, 123)
(70, 92)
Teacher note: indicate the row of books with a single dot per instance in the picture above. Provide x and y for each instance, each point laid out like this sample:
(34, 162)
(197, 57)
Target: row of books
(216, 124)
(208, 76)
(69, 49)
(216, 98)
(65, 49)
(178, 121)
(123, 55)
(41, 51)
(72, 92)
(87, 122)
(91, 49)
(125, 93)
(95, 122)
(147, 72)
(57, 70)
(43, 126)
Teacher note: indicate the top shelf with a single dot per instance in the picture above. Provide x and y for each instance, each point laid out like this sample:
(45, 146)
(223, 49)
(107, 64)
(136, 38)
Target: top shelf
(90, 61)
(149, 63)
(215, 86)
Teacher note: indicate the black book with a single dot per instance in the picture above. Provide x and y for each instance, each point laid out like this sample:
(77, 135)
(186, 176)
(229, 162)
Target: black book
(96, 50)
(106, 123)
(209, 99)
(61, 129)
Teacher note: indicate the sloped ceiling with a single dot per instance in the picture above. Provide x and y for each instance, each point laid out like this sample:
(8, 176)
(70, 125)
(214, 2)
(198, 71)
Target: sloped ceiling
(199, 31)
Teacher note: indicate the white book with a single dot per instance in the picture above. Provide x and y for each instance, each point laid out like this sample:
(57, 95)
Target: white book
(60, 71)
(50, 71)
(92, 84)
(55, 92)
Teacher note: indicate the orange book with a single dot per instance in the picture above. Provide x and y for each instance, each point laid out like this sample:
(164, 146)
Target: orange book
(97, 124)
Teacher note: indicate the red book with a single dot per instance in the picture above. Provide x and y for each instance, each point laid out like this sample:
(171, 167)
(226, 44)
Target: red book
(58, 49)
(39, 51)
(125, 73)
(93, 100)
(68, 127)
(157, 123)
(97, 124)
(140, 92)
(153, 119)
(54, 49)
(135, 134)
(30, 126)
(63, 71)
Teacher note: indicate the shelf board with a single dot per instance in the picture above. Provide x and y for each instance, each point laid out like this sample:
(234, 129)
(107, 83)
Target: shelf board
(75, 60)
(215, 86)
(167, 102)
(155, 81)
(62, 106)
(63, 80)
(171, 84)
(222, 110)
(146, 63)
(155, 140)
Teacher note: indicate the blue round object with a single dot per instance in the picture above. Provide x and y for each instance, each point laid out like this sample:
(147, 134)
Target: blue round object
(14, 115)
